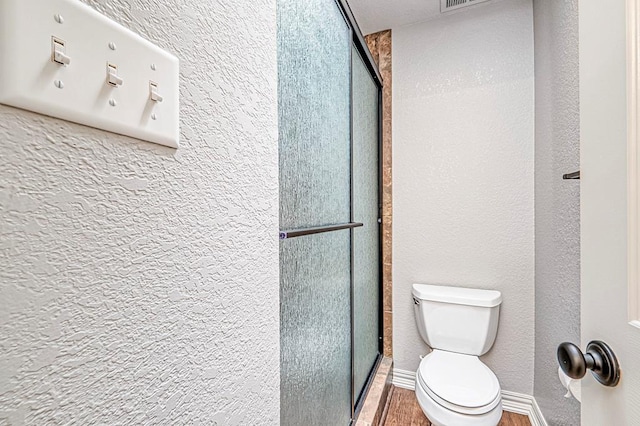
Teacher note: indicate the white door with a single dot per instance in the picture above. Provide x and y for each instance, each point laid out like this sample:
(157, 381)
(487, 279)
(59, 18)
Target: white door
(607, 307)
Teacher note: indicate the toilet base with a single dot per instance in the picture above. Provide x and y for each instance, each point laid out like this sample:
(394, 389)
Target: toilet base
(441, 416)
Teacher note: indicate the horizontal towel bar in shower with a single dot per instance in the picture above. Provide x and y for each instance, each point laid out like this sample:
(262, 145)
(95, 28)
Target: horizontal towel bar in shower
(574, 175)
(318, 230)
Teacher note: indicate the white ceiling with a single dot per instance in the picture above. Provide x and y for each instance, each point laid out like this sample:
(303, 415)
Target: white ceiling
(378, 15)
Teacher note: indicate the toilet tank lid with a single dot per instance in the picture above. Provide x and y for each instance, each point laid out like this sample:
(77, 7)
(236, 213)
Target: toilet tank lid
(457, 295)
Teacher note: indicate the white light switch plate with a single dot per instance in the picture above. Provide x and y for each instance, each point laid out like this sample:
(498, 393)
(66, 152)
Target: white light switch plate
(80, 92)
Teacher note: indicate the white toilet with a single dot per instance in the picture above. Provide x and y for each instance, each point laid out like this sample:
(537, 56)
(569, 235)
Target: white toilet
(453, 387)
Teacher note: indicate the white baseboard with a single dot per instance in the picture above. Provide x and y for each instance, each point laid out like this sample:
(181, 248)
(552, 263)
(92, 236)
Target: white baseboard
(523, 404)
(512, 402)
(404, 379)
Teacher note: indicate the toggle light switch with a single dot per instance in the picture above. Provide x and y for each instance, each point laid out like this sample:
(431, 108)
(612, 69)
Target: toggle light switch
(59, 52)
(112, 76)
(153, 92)
(75, 68)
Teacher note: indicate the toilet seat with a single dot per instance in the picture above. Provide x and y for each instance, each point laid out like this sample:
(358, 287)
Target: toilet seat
(458, 382)
(459, 409)
(441, 416)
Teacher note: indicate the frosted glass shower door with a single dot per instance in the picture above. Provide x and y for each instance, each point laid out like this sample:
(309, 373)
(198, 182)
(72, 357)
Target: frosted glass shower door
(314, 43)
(366, 209)
(315, 330)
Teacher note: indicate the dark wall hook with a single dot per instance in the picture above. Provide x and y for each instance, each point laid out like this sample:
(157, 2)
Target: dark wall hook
(574, 175)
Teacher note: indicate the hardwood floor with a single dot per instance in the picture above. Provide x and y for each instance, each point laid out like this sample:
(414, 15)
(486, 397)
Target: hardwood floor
(404, 411)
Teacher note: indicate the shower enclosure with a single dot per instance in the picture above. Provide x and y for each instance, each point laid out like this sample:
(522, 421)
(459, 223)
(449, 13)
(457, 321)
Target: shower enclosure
(329, 120)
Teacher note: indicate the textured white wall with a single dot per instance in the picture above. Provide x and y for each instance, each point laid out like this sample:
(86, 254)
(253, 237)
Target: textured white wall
(139, 284)
(463, 173)
(557, 201)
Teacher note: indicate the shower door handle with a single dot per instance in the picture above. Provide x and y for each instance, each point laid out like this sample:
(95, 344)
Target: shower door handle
(284, 235)
(574, 175)
(599, 358)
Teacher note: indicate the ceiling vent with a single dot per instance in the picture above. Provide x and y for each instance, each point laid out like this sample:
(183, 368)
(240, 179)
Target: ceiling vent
(449, 5)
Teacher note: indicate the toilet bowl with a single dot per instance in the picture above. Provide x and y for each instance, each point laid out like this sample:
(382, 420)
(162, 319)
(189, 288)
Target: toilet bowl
(453, 387)
(457, 389)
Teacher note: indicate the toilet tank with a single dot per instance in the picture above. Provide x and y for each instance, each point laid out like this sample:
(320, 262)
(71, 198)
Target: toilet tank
(456, 319)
